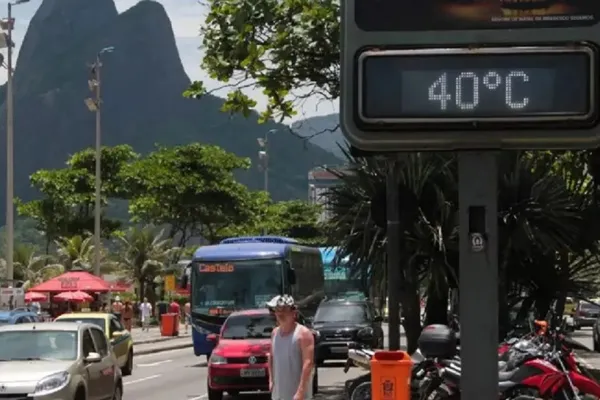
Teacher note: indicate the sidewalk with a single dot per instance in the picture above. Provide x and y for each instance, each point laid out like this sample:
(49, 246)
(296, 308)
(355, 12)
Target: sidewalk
(152, 342)
(153, 334)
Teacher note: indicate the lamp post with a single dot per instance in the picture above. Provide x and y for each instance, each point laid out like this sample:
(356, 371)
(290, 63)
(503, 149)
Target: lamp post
(263, 156)
(95, 105)
(8, 26)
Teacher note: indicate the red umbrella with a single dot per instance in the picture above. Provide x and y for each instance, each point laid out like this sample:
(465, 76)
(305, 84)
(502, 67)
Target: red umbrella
(73, 281)
(33, 296)
(77, 297)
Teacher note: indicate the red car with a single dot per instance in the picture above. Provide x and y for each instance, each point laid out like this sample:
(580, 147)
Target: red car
(239, 361)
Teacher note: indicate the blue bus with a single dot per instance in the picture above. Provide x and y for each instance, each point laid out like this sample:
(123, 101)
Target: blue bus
(244, 273)
(339, 280)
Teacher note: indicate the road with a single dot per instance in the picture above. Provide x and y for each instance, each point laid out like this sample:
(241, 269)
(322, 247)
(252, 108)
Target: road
(179, 375)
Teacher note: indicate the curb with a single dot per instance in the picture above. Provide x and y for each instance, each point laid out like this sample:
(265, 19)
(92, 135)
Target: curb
(155, 350)
(160, 339)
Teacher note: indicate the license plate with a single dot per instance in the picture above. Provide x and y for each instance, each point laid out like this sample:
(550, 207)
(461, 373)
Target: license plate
(343, 349)
(253, 373)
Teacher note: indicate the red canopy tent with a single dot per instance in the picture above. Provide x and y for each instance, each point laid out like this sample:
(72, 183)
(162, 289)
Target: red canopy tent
(73, 281)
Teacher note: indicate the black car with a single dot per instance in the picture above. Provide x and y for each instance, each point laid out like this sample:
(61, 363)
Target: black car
(340, 322)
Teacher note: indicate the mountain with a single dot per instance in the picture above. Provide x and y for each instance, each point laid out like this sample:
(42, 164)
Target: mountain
(142, 84)
(319, 130)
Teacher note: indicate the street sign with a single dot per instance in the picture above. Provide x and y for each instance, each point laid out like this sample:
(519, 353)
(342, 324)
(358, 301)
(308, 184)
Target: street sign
(451, 75)
(477, 242)
(170, 283)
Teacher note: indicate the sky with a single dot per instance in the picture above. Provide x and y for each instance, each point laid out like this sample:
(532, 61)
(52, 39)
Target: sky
(186, 18)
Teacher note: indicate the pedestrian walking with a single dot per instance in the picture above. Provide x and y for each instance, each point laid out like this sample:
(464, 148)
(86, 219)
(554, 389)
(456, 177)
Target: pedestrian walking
(291, 360)
(145, 314)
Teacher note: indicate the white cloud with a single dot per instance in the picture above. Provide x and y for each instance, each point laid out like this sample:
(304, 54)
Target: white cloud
(186, 17)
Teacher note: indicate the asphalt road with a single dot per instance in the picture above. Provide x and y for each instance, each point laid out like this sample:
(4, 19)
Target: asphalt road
(179, 375)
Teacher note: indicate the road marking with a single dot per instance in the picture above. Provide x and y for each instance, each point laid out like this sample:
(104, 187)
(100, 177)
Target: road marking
(141, 379)
(163, 353)
(199, 397)
(154, 364)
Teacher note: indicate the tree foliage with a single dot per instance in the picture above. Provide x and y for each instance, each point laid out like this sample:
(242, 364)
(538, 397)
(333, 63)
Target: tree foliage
(287, 49)
(67, 203)
(548, 246)
(190, 188)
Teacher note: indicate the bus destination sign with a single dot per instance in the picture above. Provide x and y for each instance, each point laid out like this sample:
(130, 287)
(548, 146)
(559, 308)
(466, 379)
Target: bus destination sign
(207, 268)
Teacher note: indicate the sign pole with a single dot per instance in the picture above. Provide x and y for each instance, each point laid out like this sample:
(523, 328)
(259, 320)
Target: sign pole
(478, 282)
(393, 253)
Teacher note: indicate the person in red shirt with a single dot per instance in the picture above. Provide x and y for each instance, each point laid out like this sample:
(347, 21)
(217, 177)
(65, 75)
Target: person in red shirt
(174, 308)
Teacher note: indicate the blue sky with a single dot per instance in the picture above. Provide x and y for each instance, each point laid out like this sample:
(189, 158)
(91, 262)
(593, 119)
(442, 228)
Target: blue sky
(186, 17)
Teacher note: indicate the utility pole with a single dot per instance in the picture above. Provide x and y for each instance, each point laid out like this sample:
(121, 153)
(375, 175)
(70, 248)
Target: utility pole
(8, 25)
(263, 156)
(95, 105)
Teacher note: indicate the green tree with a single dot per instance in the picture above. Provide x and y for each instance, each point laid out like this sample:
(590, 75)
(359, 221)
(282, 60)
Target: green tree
(190, 188)
(66, 207)
(286, 49)
(144, 253)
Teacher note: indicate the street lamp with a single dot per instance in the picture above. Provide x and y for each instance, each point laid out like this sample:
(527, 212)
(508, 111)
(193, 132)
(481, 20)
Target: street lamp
(8, 26)
(263, 157)
(95, 105)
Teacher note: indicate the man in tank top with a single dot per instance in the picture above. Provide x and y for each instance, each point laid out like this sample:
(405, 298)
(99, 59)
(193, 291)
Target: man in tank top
(291, 360)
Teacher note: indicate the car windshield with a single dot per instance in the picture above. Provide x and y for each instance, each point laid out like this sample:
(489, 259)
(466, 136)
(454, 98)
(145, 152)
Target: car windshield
(99, 322)
(590, 307)
(38, 345)
(221, 287)
(341, 313)
(248, 327)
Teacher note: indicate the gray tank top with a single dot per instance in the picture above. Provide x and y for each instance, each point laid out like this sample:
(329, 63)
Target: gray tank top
(287, 366)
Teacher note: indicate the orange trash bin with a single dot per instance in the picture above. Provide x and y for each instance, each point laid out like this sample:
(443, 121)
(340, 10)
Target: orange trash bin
(167, 324)
(390, 375)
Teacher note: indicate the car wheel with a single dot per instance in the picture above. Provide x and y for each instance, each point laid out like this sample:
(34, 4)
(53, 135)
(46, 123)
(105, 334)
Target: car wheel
(214, 394)
(128, 368)
(118, 395)
(233, 393)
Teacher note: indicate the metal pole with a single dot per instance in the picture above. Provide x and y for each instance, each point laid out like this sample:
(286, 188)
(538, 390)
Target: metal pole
(478, 287)
(98, 203)
(267, 162)
(393, 254)
(10, 223)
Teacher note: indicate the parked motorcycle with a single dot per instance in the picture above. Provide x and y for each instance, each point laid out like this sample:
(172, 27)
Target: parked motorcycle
(540, 366)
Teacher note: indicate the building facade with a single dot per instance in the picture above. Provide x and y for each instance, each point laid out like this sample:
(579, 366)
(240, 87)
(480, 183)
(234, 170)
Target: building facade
(320, 179)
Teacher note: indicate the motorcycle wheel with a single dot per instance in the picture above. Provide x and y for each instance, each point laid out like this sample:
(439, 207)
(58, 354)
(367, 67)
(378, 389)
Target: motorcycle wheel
(361, 392)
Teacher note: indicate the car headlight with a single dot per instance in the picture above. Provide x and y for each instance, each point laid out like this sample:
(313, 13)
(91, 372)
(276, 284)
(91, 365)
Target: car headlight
(365, 333)
(52, 383)
(217, 359)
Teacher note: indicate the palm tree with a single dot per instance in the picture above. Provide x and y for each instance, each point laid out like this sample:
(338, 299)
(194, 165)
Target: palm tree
(145, 253)
(33, 268)
(546, 214)
(75, 252)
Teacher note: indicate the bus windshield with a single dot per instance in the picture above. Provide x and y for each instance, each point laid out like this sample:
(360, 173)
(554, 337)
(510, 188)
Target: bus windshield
(220, 287)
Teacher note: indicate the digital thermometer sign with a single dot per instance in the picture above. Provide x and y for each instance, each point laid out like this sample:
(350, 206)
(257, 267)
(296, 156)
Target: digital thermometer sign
(488, 85)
